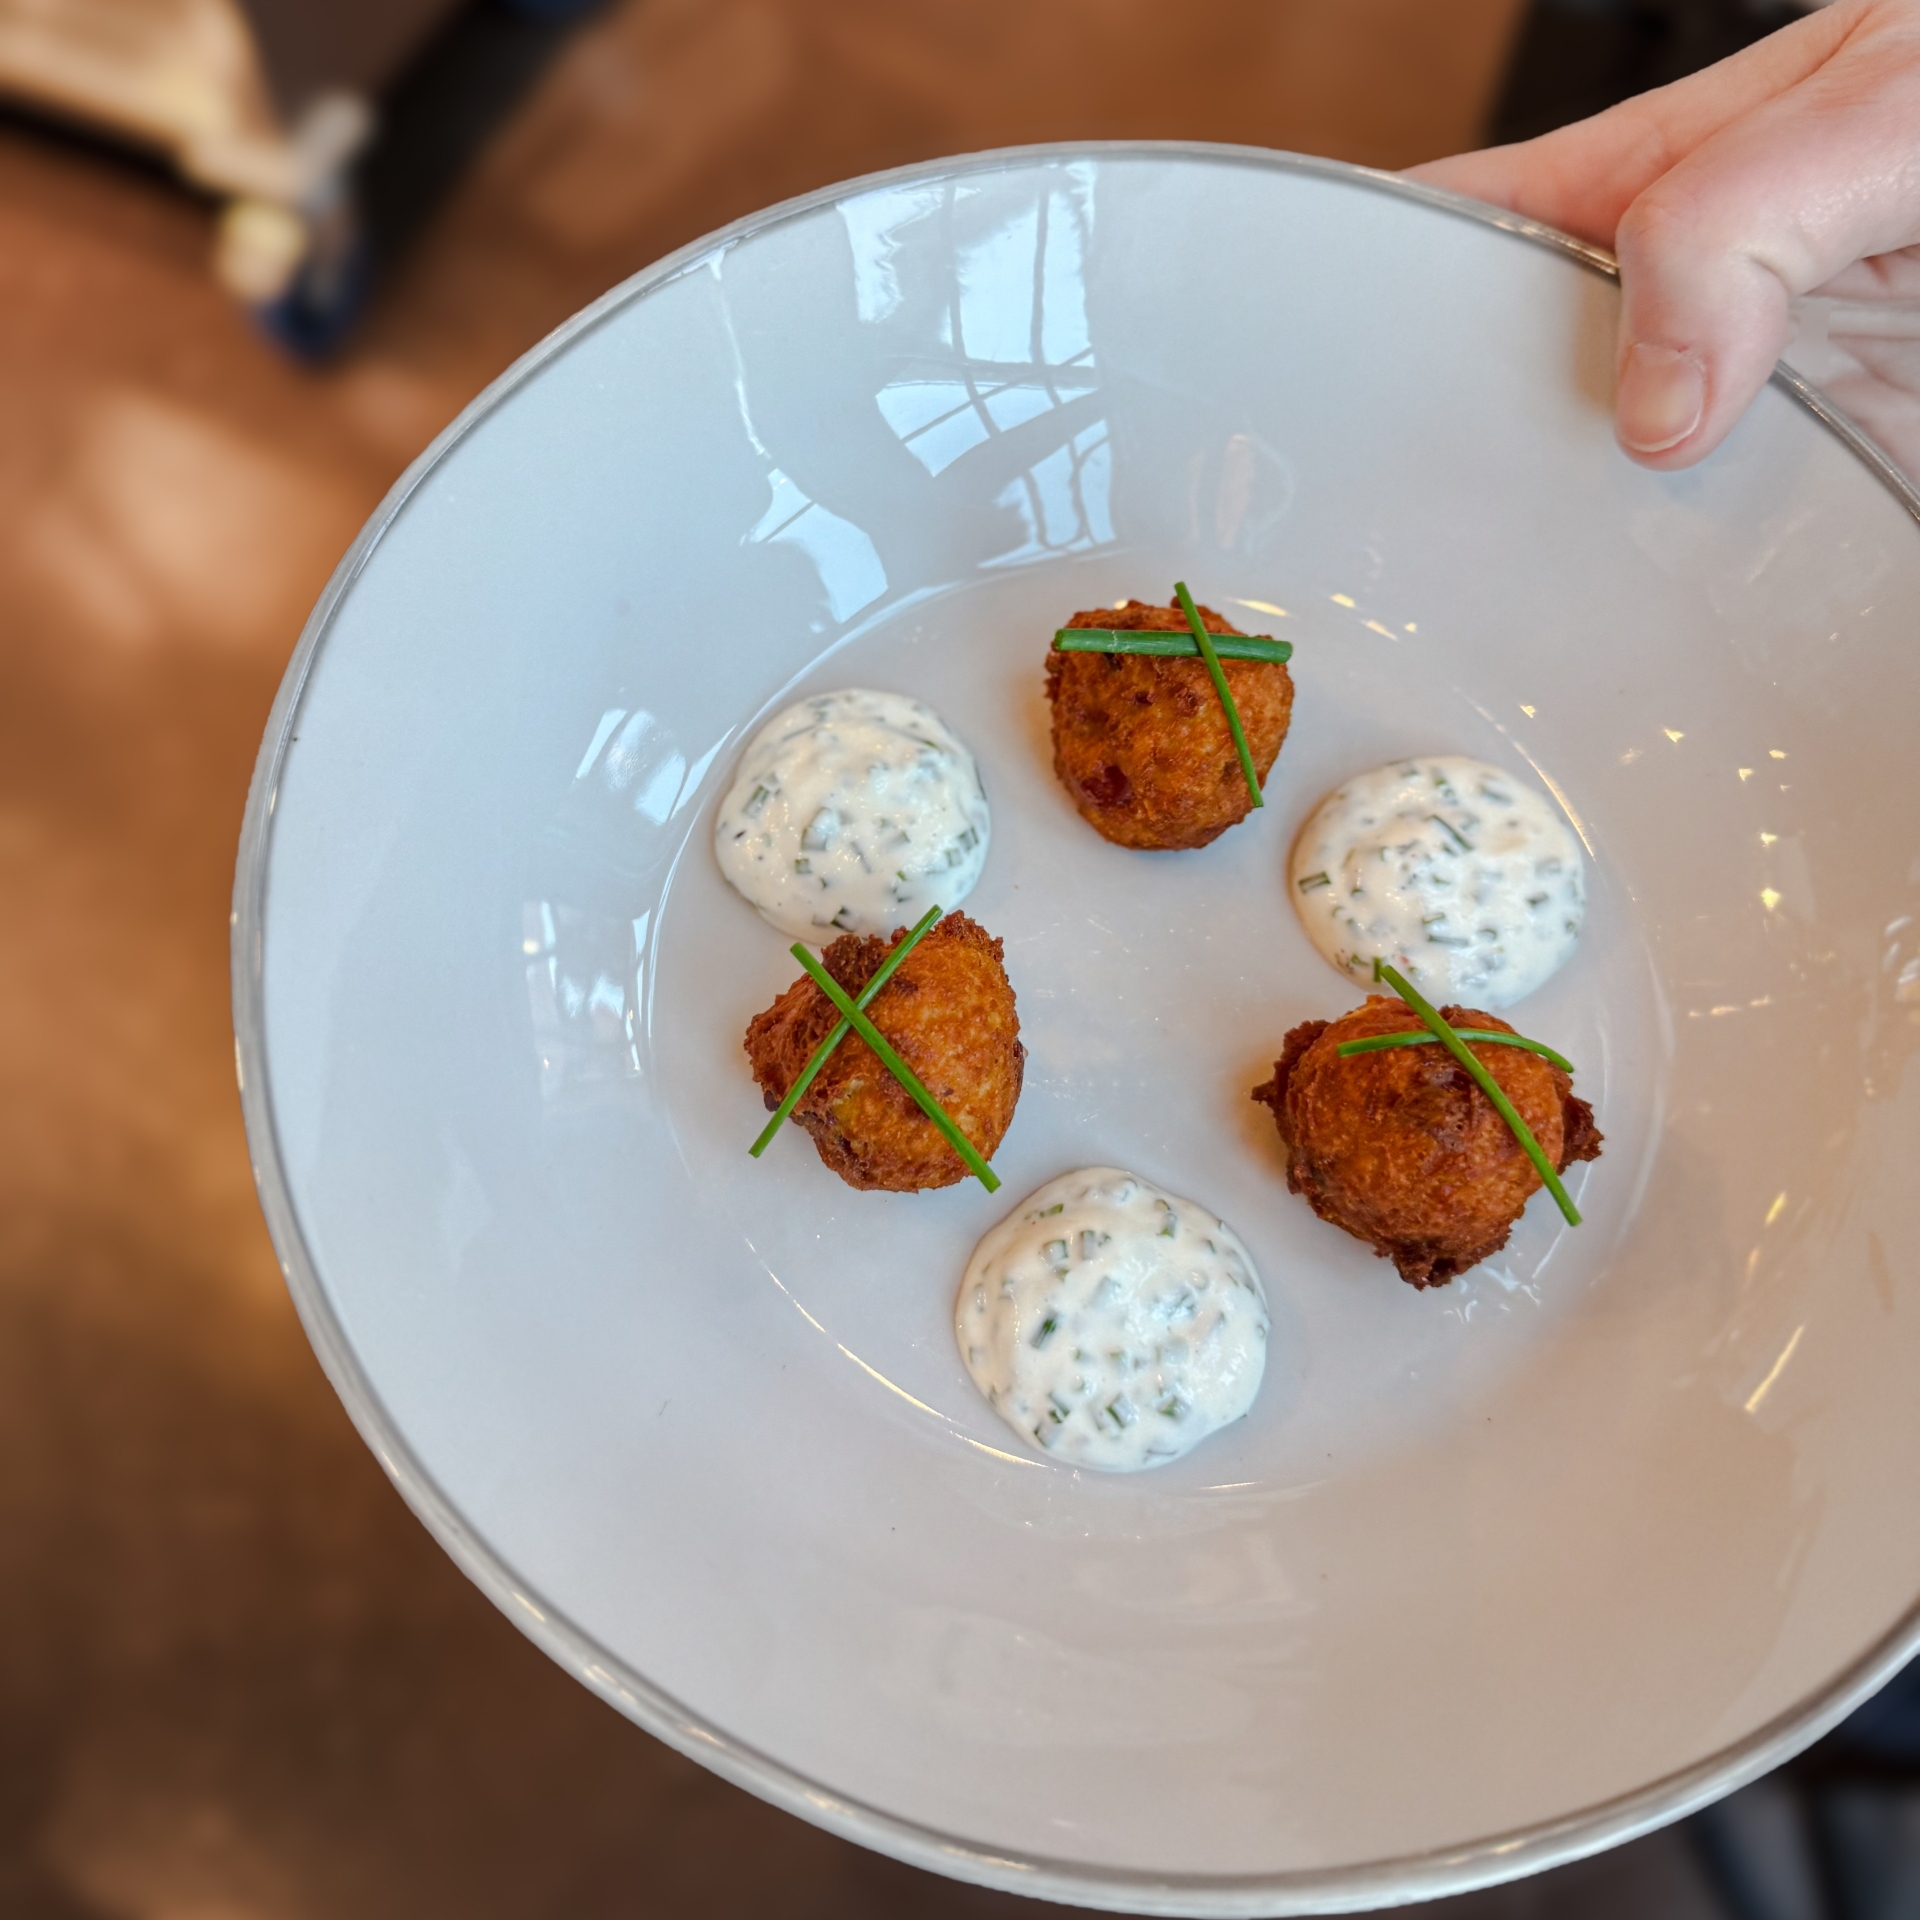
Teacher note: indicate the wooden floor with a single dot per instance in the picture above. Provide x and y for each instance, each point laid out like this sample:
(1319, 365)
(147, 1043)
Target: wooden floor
(237, 1681)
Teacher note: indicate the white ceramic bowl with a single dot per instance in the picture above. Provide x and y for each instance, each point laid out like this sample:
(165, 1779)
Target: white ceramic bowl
(1491, 1576)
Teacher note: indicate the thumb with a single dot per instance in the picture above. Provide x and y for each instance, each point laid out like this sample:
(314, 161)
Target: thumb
(1701, 328)
(1771, 206)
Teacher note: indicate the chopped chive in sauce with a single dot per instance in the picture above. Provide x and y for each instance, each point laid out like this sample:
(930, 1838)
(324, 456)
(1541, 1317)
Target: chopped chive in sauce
(1314, 880)
(1459, 839)
(1046, 1330)
(1455, 1045)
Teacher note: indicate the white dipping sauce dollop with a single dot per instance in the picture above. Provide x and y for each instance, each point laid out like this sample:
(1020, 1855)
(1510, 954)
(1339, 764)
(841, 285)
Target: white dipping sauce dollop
(853, 812)
(1449, 869)
(1111, 1324)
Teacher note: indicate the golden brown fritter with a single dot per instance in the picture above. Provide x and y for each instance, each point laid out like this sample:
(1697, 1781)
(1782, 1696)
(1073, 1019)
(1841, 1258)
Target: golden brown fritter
(1142, 743)
(1402, 1149)
(948, 1012)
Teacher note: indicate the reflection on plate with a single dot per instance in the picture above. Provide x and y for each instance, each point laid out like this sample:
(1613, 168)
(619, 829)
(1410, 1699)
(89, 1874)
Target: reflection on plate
(1486, 1578)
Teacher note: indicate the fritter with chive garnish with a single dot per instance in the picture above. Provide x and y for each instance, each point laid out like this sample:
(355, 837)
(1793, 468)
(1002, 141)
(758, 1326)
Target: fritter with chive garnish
(949, 1013)
(1141, 743)
(1401, 1148)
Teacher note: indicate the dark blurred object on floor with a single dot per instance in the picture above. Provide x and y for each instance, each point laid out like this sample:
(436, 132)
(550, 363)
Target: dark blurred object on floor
(325, 129)
(1577, 57)
(439, 112)
(443, 108)
(1833, 1835)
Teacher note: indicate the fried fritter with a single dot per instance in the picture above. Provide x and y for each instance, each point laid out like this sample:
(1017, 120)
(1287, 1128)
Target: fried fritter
(1404, 1151)
(948, 1012)
(1142, 743)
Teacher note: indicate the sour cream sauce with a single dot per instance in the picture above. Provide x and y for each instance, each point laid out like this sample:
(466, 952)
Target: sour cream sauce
(1450, 870)
(1111, 1324)
(853, 812)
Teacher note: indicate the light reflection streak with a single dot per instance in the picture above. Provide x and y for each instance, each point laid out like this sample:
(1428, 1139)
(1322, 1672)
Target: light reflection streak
(952, 1426)
(980, 1446)
(782, 1285)
(1013, 343)
(882, 1378)
(1566, 806)
(1774, 1372)
(601, 734)
(1545, 778)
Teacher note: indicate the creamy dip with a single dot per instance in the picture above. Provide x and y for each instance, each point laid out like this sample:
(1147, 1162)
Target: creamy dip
(853, 812)
(1111, 1324)
(1448, 868)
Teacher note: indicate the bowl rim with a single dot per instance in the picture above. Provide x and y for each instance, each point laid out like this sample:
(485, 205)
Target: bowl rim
(1353, 1887)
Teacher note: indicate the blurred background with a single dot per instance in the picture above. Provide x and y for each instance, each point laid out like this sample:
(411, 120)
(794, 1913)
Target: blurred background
(253, 256)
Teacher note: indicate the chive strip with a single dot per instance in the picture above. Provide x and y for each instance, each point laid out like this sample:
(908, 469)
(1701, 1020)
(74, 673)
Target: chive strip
(1374, 1043)
(818, 1058)
(1179, 646)
(898, 1068)
(1204, 641)
(1486, 1083)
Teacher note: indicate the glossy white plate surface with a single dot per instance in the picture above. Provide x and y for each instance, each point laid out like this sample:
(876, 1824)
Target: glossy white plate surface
(1491, 1575)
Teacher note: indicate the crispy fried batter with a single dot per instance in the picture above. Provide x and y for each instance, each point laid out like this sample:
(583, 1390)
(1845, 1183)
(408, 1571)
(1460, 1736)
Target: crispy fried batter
(949, 1013)
(1401, 1148)
(1142, 743)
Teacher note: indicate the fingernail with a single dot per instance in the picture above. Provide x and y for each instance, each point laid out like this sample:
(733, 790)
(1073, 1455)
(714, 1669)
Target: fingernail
(1662, 395)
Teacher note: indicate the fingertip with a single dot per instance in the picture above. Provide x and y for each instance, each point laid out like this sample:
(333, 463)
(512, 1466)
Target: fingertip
(1703, 318)
(1661, 398)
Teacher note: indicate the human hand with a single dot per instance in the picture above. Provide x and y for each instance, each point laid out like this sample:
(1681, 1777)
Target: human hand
(1791, 169)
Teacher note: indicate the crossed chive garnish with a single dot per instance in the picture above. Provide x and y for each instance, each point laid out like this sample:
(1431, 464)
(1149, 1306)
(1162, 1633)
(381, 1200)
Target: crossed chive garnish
(853, 1019)
(1455, 1039)
(1171, 646)
(1210, 647)
(1379, 1042)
